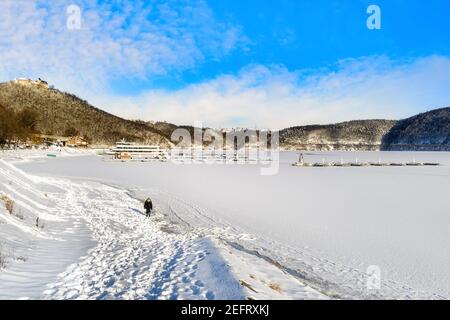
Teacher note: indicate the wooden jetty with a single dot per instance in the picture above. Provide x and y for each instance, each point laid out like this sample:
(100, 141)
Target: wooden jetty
(302, 163)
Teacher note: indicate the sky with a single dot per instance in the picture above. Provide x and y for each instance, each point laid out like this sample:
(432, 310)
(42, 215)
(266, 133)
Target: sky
(229, 63)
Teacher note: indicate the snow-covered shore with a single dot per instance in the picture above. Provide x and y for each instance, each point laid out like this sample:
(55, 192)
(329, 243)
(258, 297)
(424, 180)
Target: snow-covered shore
(327, 227)
(68, 239)
(34, 154)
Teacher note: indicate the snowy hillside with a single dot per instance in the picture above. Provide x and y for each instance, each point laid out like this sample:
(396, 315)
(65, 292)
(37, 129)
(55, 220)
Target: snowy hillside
(425, 131)
(350, 136)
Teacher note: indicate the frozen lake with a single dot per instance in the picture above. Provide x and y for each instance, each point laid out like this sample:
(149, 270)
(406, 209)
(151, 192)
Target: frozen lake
(337, 219)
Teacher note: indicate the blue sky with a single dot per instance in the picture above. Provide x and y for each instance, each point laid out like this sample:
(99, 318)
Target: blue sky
(318, 33)
(243, 63)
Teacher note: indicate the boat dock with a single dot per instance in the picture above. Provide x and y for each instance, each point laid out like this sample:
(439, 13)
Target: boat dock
(302, 163)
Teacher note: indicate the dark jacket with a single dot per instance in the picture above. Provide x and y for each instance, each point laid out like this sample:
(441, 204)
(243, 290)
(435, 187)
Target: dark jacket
(148, 205)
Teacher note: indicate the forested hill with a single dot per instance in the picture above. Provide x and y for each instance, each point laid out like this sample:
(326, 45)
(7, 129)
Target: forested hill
(61, 113)
(428, 131)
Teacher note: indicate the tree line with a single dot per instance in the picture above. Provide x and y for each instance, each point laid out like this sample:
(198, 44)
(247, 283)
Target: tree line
(16, 126)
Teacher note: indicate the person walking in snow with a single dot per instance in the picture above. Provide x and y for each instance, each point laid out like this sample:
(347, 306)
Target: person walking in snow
(148, 206)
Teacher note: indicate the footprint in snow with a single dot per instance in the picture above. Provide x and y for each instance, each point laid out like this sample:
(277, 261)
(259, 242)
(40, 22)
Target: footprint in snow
(199, 283)
(71, 294)
(195, 290)
(209, 295)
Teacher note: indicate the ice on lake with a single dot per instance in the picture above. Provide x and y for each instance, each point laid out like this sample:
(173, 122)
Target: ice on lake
(335, 222)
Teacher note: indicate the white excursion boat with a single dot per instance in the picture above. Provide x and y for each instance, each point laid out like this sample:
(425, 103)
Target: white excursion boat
(132, 151)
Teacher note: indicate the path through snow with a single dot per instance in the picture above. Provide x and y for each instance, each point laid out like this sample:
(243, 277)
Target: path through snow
(106, 248)
(134, 258)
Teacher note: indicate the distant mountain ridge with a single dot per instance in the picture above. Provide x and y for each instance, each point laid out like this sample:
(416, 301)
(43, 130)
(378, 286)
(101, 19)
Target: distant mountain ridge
(351, 135)
(428, 131)
(60, 112)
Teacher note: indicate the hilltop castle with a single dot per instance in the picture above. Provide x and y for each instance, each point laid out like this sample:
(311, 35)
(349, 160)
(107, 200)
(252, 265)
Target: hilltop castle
(28, 82)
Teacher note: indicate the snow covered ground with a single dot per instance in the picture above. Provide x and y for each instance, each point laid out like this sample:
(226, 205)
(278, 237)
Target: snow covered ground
(225, 231)
(33, 154)
(68, 239)
(326, 227)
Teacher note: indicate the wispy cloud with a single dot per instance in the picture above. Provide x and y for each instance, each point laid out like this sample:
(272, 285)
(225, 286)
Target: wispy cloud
(141, 39)
(373, 87)
(128, 39)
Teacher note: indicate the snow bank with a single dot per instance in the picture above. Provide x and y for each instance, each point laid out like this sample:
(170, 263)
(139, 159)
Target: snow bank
(52, 151)
(32, 240)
